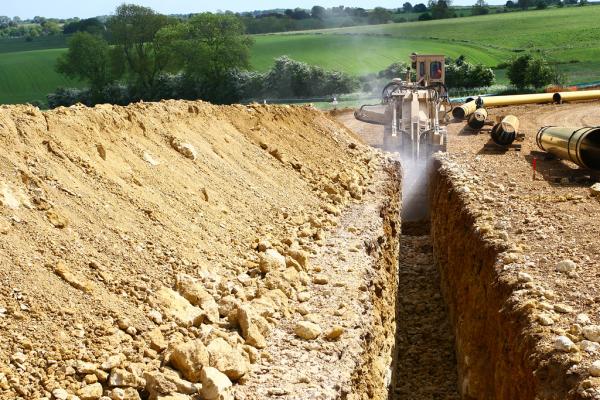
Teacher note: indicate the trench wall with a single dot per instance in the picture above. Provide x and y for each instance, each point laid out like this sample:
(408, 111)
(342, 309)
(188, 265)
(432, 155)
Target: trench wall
(372, 377)
(495, 342)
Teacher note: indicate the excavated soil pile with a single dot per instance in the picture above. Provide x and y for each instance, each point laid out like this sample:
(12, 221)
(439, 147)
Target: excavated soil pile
(180, 250)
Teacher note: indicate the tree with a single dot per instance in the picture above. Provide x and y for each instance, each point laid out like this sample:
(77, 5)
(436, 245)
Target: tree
(524, 4)
(541, 5)
(407, 7)
(526, 70)
(517, 70)
(379, 15)
(318, 12)
(539, 73)
(297, 13)
(50, 28)
(425, 17)
(4, 22)
(88, 59)
(462, 74)
(132, 30)
(480, 8)
(420, 8)
(360, 13)
(207, 47)
(290, 78)
(395, 70)
(510, 4)
(440, 9)
(90, 25)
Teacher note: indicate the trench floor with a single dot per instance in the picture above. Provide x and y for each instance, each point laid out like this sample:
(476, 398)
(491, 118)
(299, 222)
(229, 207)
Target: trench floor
(425, 359)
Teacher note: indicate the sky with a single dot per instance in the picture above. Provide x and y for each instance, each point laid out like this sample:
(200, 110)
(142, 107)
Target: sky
(91, 8)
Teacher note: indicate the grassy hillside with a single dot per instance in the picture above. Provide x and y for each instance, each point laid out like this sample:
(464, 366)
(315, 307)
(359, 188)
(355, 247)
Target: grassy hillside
(358, 54)
(11, 45)
(568, 37)
(29, 75)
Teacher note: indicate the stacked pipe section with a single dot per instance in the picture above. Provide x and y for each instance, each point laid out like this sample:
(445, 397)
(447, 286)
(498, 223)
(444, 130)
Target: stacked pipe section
(504, 133)
(477, 120)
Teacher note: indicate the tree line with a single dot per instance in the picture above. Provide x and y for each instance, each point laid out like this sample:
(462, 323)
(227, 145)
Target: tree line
(139, 54)
(282, 20)
(139, 47)
(142, 55)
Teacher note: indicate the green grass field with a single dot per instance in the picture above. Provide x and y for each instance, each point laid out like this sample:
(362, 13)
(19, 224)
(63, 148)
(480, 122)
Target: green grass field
(12, 45)
(358, 54)
(490, 39)
(29, 75)
(569, 37)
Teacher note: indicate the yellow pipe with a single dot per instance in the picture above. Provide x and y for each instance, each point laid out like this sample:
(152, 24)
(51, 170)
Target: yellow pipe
(577, 96)
(579, 145)
(497, 101)
(477, 119)
(462, 112)
(510, 124)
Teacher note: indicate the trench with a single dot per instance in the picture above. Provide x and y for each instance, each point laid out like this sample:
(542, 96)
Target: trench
(424, 362)
(458, 332)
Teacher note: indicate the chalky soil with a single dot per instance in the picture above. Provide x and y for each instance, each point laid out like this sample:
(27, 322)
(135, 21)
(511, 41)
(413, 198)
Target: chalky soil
(425, 366)
(425, 363)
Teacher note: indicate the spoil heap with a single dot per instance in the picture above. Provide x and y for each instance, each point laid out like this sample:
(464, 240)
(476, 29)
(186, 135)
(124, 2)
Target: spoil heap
(169, 251)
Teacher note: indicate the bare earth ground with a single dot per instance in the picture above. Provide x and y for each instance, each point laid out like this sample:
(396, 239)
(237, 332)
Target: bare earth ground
(542, 222)
(545, 223)
(166, 250)
(425, 342)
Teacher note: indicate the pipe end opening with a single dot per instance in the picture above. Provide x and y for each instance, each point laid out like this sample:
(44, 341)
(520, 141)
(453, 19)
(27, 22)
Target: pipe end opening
(458, 113)
(590, 149)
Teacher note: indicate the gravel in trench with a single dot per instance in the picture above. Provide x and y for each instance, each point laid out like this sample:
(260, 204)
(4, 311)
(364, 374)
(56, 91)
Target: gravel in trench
(426, 365)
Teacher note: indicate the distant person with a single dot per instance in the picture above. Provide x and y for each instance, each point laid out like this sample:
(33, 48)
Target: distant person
(335, 103)
(437, 71)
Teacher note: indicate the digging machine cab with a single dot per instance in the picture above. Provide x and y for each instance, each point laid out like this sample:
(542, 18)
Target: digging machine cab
(411, 111)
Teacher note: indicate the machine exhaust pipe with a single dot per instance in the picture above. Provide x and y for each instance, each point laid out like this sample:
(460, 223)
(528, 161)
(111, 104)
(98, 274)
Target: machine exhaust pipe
(505, 131)
(578, 145)
(477, 120)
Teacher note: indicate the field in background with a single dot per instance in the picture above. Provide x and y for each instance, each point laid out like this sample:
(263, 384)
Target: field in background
(568, 37)
(12, 45)
(29, 76)
(357, 54)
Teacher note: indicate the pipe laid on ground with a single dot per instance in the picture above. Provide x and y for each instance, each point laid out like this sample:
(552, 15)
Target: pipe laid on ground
(477, 120)
(512, 100)
(505, 131)
(579, 145)
(510, 124)
(561, 97)
(463, 111)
